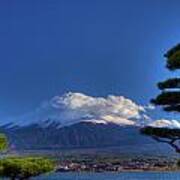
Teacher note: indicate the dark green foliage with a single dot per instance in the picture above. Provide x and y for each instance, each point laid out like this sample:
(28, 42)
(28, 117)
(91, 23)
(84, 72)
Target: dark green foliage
(169, 99)
(161, 132)
(172, 108)
(171, 51)
(173, 58)
(164, 135)
(24, 168)
(173, 61)
(178, 163)
(3, 142)
(170, 83)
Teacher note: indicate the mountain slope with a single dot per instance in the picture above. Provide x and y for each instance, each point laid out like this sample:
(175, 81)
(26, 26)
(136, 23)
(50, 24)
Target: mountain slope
(82, 135)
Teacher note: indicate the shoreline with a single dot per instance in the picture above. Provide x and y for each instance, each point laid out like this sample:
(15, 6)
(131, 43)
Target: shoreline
(123, 171)
(132, 165)
(115, 163)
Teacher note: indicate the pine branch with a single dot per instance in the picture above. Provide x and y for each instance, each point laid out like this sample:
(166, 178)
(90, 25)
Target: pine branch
(171, 142)
(169, 84)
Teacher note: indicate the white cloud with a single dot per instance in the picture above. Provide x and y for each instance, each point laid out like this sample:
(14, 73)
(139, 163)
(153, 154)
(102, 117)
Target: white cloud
(165, 123)
(72, 108)
(111, 109)
(149, 107)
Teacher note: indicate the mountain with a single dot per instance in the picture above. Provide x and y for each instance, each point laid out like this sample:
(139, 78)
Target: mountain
(51, 135)
(80, 121)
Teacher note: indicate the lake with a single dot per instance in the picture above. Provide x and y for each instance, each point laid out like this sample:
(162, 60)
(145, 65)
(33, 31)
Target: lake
(113, 176)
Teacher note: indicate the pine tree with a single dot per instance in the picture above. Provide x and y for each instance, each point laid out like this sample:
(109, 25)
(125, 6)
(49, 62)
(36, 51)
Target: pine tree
(169, 100)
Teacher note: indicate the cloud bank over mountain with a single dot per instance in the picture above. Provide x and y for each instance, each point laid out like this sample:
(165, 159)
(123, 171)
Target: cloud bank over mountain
(115, 109)
(72, 108)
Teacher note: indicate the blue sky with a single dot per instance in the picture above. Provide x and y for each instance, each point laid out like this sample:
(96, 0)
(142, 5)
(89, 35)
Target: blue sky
(97, 47)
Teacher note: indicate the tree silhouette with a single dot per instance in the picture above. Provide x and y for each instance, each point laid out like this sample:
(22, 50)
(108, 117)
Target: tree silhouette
(169, 100)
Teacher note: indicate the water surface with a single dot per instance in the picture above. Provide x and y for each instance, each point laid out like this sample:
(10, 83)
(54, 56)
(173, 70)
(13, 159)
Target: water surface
(113, 176)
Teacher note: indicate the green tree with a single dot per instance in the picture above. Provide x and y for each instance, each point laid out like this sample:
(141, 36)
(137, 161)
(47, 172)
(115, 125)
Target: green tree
(3, 143)
(169, 100)
(24, 167)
